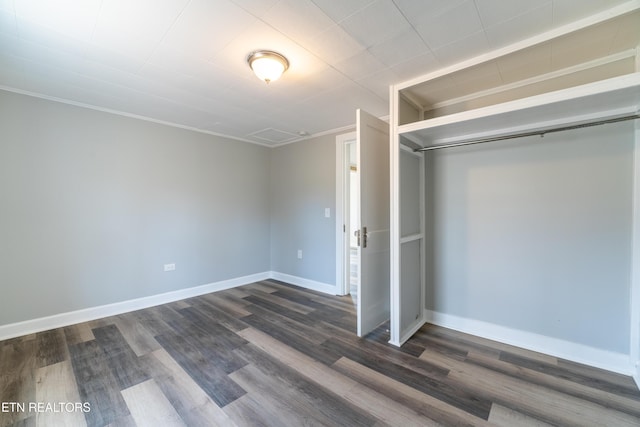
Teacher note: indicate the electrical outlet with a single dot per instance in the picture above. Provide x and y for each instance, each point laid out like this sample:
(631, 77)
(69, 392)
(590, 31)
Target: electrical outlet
(169, 267)
(299, 253)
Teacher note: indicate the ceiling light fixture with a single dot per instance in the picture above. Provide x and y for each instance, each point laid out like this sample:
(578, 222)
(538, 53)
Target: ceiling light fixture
(267, 65)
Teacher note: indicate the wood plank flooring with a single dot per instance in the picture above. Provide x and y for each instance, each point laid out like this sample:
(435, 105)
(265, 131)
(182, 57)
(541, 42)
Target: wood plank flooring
(271, 354)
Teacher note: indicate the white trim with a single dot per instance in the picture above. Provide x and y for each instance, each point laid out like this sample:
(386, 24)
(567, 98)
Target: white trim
(84, 315)
(171, 124)
(394, 219)
(423, 231)
(125, 114)
(342, 287)
(348, 128)
(419, 323)
(580, 353)
(340, 223)
(415, 103)
(27, 327)
(634, 330)
(605, 15)
(629, 53)
(624, 89)
(304, 283)
(411, 238)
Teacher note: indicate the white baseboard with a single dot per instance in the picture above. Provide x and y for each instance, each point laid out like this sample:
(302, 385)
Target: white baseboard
(636, 374)
(304, 283)
(580, 353)
(70, 318)
(409, 333)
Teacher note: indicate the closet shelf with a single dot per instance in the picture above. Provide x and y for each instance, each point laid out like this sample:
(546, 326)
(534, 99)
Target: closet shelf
(603, 99)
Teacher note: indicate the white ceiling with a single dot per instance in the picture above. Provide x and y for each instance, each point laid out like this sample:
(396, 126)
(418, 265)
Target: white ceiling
(184, 61)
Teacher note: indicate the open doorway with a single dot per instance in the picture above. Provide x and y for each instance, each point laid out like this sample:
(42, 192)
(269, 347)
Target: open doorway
(347, 216)
(369, 258)
(353, 208)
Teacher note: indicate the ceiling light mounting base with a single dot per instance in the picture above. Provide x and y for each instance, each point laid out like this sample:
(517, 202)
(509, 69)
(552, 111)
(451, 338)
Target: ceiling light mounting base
(267, 64)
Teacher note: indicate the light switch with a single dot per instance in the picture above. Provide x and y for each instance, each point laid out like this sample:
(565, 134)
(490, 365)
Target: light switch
(327, 212)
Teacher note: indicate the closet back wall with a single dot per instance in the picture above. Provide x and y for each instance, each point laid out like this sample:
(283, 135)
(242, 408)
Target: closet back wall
(94, 204)
(535, 234)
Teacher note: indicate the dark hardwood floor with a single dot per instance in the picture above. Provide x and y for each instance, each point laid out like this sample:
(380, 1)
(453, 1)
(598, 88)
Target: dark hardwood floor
(276, 355)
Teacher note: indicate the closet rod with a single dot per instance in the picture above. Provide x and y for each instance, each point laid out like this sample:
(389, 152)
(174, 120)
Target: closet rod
(533, 133)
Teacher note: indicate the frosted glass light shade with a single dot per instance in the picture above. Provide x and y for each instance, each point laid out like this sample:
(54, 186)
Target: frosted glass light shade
(267, 65)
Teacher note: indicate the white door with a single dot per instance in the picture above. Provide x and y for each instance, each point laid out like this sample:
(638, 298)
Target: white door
(372, 149)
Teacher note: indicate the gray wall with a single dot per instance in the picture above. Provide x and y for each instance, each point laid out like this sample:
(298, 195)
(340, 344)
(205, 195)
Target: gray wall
(302, 186)
(93, 205)
(535, 234)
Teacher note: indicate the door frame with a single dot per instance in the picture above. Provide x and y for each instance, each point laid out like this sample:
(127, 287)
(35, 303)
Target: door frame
(342, 240)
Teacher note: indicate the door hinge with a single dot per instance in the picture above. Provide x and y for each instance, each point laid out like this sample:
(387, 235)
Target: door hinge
(364, 237)
(361, 236)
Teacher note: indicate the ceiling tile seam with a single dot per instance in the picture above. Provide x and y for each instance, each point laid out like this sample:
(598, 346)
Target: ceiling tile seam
(346, 17)
(290, 38)
(188, 94)
(475, 6)
(297, 43)
(124, 114)
(287, 36)
(270, 142)
(250, 12)
(484, 33)
(429, 48)
(95, 23)
(164, 36)
(168, 123)
(356, 82)
(511, 18)
(25, 22)
(342, 129)
(534, 40)
(502, 79)
(172, 102)
(352, 80)
(339, 130)
(484, 29)
(371, 92)
(345, 75)
(131, 88)
(255, 134)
